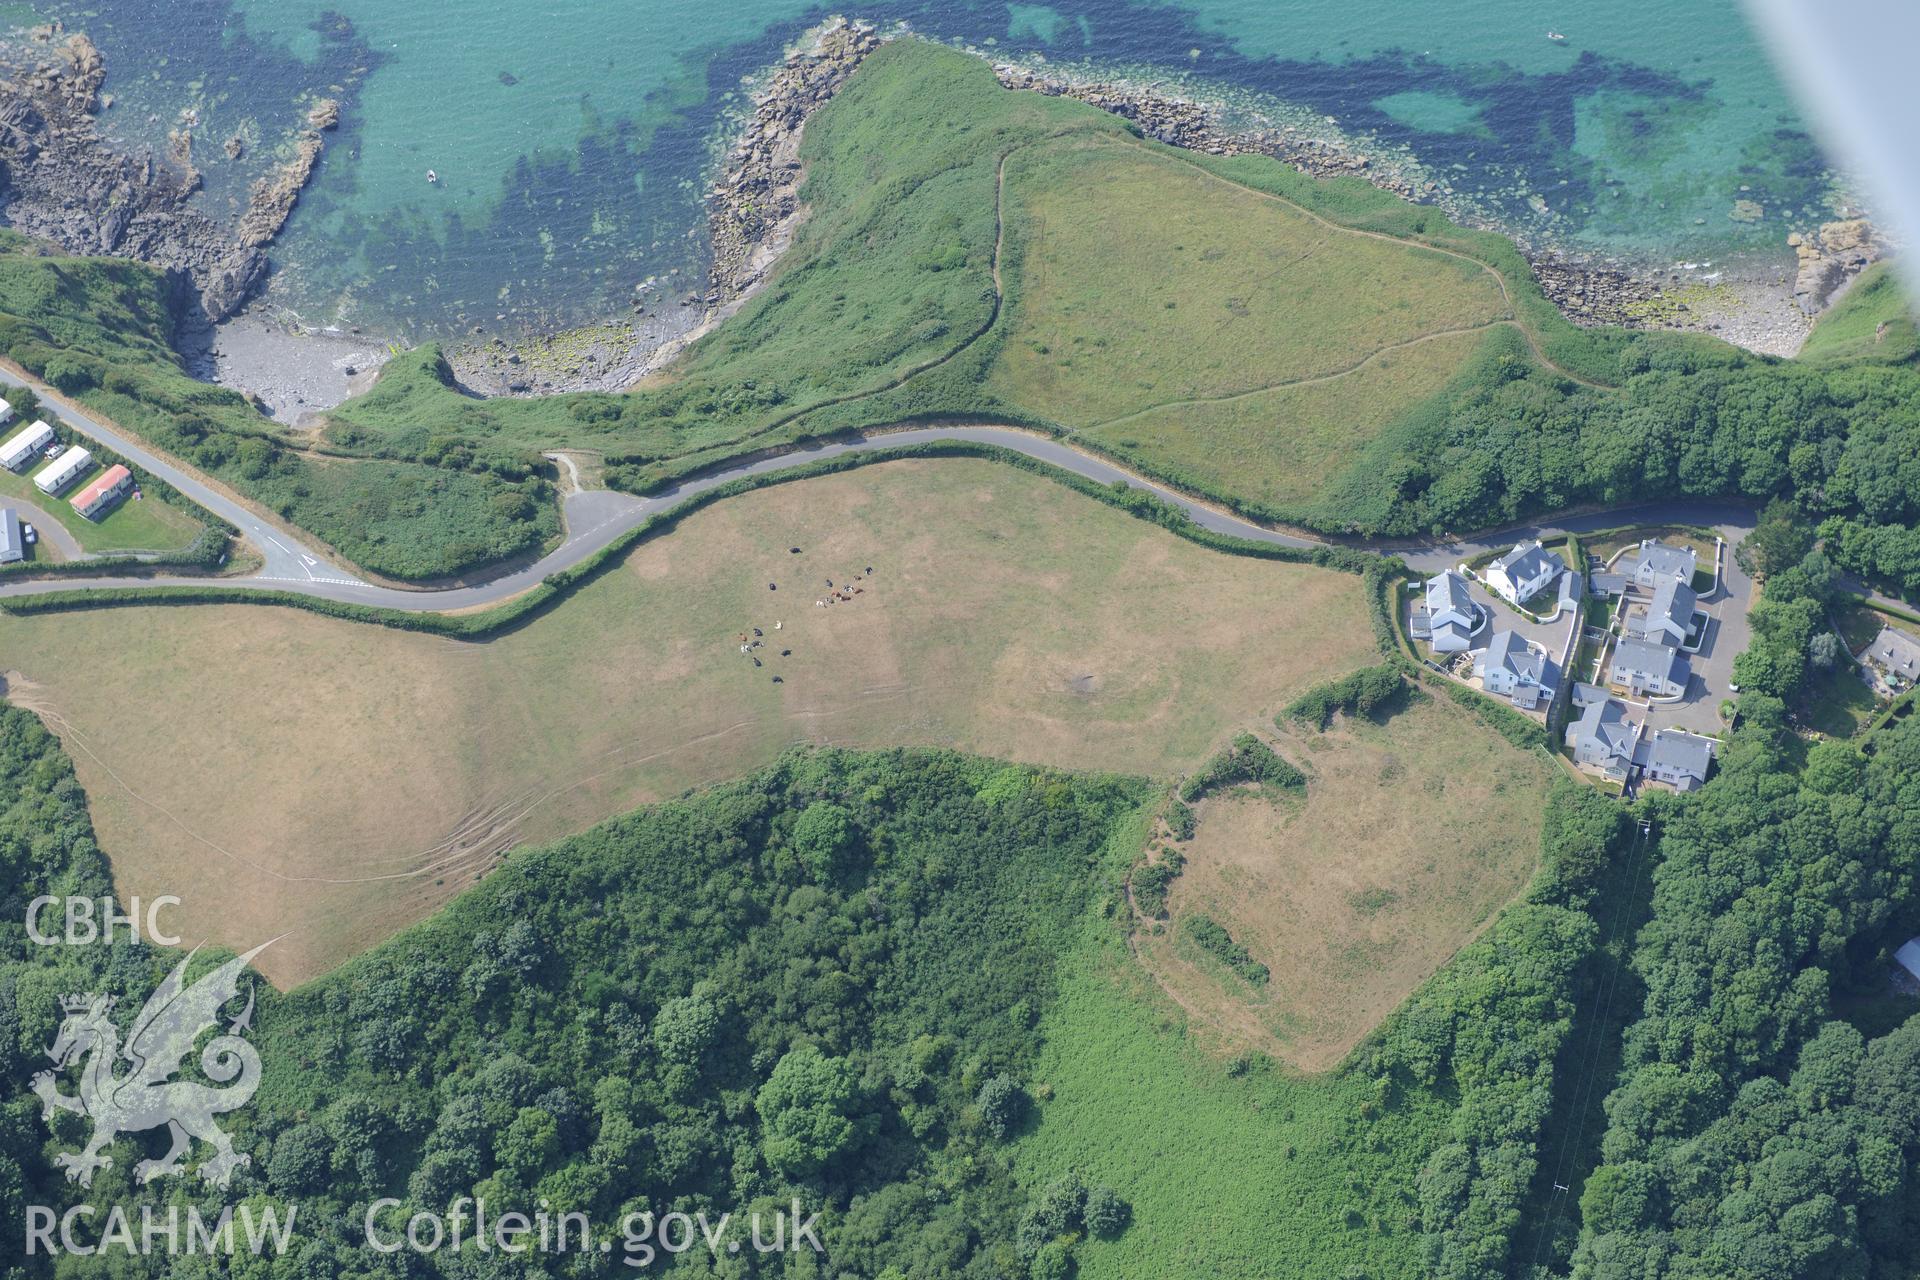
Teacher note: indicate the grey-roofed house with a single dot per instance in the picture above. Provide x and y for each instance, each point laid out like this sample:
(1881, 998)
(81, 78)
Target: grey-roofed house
(1515, 670)
(1669, 616)
(1677, 759)
(1896, 653)
(1585, 695)
(1450, 616)
(12, 544)
(1601, 583)
(1523, 572)
(1656, 561)
(1647, 668)
(1603, 739)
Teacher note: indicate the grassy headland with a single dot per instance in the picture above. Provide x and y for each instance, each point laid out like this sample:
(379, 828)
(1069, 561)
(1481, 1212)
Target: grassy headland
(1873, 320)
(1310, 352)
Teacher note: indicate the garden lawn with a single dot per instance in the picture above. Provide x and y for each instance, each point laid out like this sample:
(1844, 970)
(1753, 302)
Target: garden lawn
(146, 524)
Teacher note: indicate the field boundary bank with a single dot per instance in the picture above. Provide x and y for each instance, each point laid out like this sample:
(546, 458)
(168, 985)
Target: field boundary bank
(557, 586)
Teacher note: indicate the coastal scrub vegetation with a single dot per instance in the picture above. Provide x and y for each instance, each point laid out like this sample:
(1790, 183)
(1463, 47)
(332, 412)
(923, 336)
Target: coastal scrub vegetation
(99, 330)
(1246, 759)
(949, 269)
(1365, 692)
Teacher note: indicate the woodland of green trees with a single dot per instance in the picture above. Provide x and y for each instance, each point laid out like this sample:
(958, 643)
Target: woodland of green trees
(821, 982)
(1689, 418)
(825, 982)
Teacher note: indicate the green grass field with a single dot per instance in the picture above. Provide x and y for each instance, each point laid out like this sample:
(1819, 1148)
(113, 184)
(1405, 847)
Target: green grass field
(1147, 281)
(1233, 1170)
(1280, 448)
(1873, 320)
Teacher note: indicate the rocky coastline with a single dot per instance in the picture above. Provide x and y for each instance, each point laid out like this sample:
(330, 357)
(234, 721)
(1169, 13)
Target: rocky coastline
(63, 182)
(755, 204)
(753, 210)
(1766, 312)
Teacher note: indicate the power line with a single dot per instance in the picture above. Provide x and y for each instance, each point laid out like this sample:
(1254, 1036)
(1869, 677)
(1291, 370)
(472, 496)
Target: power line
(1610, 988)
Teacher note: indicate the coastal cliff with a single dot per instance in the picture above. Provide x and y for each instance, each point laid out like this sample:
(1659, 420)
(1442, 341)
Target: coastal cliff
(61, 181)
(753, 210)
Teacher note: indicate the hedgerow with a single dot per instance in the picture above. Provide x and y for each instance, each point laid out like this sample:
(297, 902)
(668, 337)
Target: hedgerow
(1246, 759)
(1361, 693)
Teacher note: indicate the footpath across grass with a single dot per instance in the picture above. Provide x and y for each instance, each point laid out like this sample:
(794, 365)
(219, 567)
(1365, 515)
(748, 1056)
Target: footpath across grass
(974, 251)
(1147, 281)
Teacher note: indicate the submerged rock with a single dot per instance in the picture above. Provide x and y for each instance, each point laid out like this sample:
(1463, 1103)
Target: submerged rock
(65, 183)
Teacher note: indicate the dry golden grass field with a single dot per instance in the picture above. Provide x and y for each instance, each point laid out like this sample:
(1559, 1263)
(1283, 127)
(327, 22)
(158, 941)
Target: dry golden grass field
(284, 772)
(1411, 835)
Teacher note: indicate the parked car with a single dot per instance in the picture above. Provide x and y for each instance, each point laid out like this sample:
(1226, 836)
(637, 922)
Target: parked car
(28, 534)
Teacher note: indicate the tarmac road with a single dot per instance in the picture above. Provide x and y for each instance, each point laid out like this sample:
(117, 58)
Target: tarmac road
(596, 518)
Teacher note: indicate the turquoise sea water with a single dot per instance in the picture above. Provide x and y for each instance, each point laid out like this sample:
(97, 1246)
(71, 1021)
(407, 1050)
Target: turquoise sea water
(571, 139)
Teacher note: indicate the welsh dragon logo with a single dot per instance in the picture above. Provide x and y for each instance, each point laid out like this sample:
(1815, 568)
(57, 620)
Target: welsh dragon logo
(144, 1095)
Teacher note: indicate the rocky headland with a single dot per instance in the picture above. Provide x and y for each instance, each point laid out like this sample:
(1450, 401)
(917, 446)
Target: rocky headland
(755, 204)
(753, 210)
(62, 181)
(1761, 310)
(1829, 258)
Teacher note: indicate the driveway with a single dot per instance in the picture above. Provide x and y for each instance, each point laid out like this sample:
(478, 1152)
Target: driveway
(52, 532)
(1727, 634)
